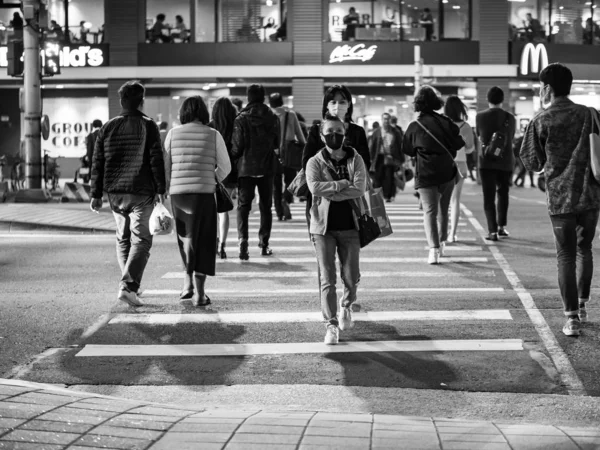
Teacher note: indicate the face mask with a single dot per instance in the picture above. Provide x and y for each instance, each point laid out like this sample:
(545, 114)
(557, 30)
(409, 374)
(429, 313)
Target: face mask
(334, 141)
(339, 110)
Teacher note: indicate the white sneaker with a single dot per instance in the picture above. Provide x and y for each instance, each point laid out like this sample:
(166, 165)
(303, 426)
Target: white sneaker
(346, 319)
(442, 249)
(454, 238)
(434, 256)
(332, 336)
(131, 298)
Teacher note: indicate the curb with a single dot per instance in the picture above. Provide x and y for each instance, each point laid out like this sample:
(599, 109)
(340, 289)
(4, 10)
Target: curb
(19, 227)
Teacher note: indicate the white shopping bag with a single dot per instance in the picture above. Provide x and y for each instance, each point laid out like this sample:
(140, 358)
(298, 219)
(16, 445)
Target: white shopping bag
(161, 220)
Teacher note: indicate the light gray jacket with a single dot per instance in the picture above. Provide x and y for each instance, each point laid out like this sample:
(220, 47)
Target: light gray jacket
(326, 190)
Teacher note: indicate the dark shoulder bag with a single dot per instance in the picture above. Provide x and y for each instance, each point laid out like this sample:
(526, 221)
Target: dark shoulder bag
(495, 149)
(368, 229)
(291, 151)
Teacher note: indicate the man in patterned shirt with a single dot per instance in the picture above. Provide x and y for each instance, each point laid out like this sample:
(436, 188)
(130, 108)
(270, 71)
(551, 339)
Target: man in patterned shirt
(557, 142)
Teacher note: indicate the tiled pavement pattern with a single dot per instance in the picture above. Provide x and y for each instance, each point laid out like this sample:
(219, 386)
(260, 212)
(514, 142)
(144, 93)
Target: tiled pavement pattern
(35, 417)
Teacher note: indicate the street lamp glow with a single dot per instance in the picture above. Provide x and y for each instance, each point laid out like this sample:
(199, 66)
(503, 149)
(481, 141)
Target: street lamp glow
(409, 84)
(206, 88)
(212, 85)
(389, 84)
(230, 85)
(176, 97)
(59, 86)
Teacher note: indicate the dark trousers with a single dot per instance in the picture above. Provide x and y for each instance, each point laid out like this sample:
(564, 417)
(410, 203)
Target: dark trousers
(495, 182)
(521, 172)
(573, 236)
(246, 187)
(384, 178)
(281, 182)
(134, 240)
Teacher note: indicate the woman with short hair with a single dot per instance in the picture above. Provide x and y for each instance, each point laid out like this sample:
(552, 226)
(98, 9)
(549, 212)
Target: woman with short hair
(223, 116)
(195, 159)
(434, 140)
(337, 178)
(456, 110)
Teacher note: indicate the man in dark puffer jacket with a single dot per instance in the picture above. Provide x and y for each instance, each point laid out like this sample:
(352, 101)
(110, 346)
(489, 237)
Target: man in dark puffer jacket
(255, 139)
(128, 165)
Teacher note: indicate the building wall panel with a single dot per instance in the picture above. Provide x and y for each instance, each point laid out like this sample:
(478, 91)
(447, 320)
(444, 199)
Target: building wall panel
(308, 97)
(307, 32)
(124, 28)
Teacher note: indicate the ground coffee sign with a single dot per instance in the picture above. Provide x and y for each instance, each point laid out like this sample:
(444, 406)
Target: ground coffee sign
(93, 55)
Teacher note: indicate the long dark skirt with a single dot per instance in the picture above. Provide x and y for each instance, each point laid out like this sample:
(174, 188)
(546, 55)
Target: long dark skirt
(196, 226)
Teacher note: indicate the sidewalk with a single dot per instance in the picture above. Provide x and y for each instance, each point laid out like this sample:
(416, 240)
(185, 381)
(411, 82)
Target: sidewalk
(37, 416)
(73, 217)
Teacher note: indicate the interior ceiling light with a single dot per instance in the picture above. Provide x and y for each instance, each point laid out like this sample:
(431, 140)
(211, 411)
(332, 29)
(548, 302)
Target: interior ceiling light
(523, 85)
(230, 85)
(455, 7)
(409, 84)
(176, 97)
(269, 2)
(389, 84)
(522, 98)
(206, 88)
(579, 89)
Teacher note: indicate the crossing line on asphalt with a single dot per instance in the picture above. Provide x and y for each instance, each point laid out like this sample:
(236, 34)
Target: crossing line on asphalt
(302, 260)
(313, 291)
(567, 373)
(385, 239)
(308, 248)
(186, 350)
(294, 317)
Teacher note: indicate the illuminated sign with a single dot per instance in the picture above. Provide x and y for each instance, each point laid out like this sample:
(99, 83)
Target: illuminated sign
(358, 52)
(536, 55)
(71, 56)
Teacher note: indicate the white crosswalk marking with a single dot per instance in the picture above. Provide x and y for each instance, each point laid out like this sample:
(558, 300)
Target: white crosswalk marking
(314, 291)
(302, 274)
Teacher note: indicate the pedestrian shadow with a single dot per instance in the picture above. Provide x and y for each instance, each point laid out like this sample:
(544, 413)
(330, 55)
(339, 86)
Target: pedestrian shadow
(419, 370)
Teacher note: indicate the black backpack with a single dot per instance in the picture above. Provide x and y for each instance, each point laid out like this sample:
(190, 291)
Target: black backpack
(496, 148)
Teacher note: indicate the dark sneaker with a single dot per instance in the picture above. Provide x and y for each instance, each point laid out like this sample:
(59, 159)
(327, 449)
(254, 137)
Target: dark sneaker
(244, 255)
(503, 232)
(266, 251)
(492, 237)
(572, 327)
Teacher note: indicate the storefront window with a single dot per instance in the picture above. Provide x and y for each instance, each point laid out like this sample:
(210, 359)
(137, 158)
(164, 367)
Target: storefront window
(168, 22)
(11, 26)
(78, 21)
(398, 20)
(252, 20)
(205, 21)
(559, 21)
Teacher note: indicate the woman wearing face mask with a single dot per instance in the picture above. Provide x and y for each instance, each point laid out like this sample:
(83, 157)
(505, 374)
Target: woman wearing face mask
(337, 178)
(337, 101)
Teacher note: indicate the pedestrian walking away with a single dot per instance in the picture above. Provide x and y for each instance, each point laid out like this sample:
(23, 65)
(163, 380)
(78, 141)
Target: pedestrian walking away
(336, 176)
(433, 140)
(223, 116)
(456, 110)
(338, 102)
(557, 142)
(386, 156)
(496, 130)
(292, 140)
(255, 139)
(128, 165)
(196, 159)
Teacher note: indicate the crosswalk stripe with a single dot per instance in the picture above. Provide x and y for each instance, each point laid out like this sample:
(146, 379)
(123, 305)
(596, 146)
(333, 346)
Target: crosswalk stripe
(310, 274)
(310, 316)
(231, 349)
(313, 291)
(308, 248)
(276, 260)
(386, 239)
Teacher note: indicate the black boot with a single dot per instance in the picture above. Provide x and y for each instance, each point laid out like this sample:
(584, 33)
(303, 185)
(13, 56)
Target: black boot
(244, 255)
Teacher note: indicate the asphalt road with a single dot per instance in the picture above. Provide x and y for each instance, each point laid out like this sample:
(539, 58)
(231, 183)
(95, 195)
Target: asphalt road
(58, 300)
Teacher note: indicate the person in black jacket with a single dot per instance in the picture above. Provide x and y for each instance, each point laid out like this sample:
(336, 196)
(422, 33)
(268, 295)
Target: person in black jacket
(255, 141)
(434, 140)
(128, 165)
(337, 101)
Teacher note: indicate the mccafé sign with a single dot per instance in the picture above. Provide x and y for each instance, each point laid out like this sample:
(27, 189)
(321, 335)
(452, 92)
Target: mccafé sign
(359, 52)
(93, 55)
(534, 58)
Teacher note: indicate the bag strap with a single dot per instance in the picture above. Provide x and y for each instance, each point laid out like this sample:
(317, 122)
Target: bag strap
(595, 121)
(285, 123)
(435, 139)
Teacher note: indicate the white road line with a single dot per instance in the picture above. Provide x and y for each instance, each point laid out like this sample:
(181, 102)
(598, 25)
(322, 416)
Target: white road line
(313, 291)
(308, 274)
(308, 248)
(302, 260)
(293, 317)
(386, 239)
(185, 350)
(567, 373)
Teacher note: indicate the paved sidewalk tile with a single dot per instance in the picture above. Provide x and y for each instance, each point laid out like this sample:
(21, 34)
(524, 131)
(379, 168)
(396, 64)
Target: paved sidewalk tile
(587, 432)
(107, 430)
(251, 438)
(477, 446)
(91, 440)
(261, 446)
(347, 441)
(530, 430)
(40, 437)
(258, 420)
(412, 444)
(266, 429)
(51, 425)
(527, 442)
(588, 443)
(172, 440)
(196, 427)
(30, 446)
(343, 417)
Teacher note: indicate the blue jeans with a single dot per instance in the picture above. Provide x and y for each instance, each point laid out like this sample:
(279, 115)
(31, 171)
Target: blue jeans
(347, 245)
(436, 199)
(134, 239)
(573, 236)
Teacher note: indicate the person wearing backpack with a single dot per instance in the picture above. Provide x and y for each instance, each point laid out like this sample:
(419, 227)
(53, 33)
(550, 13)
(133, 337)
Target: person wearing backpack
(256, 136)
(496, 130)
(557, 141)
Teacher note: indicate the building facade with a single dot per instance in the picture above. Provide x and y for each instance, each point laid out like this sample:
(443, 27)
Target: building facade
(298, 48)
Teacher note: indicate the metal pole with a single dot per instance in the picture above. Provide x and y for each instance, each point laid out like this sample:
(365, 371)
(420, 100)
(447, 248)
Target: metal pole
(418, 68)
(32, 100)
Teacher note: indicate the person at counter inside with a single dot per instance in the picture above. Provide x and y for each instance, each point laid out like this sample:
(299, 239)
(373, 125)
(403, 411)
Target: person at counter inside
(351, 20)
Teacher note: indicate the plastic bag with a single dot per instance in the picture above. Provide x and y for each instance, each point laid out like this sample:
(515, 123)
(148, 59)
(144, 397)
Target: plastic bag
(161, 220)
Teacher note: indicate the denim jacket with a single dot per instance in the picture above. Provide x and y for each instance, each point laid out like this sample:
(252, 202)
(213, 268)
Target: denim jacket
(325, 189)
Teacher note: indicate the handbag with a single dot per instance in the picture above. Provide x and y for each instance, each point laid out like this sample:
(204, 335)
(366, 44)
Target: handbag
(457, 177)
(595, 145)
(298, 186)
(291, 151)
(224, 201)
